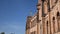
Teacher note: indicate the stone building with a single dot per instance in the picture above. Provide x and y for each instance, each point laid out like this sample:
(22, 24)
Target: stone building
(46, 20)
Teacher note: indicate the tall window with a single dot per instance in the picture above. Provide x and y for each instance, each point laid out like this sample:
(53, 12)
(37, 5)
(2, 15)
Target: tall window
(58, 19)
(43, 0)
(58, 14)
(47, 27)
(54, 24)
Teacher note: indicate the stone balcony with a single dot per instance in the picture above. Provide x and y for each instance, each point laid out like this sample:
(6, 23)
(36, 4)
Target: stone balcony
(58, 17)
(57, 33)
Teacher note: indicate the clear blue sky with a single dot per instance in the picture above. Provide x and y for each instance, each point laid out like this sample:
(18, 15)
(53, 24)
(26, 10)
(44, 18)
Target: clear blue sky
(13, 15)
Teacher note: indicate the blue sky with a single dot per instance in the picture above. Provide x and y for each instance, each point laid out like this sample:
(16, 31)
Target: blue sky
(13, 15)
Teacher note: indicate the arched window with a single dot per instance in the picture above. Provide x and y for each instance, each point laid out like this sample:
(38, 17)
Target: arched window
(47, 23)
(43, 0)
(57, 13)
(54, 24)
(53, 18)
(47, 27)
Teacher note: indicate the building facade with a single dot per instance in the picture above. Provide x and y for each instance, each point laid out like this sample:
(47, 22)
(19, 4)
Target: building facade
(46, 20)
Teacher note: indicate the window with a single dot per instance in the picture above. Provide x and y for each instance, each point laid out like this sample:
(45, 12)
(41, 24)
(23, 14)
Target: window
(47, 27)
(43, 0)
(47, 23)
(54, 24)
(53, 18)
(58, 20)
(58, 14)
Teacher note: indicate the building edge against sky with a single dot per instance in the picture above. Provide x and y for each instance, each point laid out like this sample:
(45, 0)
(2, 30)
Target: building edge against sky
(46, 20)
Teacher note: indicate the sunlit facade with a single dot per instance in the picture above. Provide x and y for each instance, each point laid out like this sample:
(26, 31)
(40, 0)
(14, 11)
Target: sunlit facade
(46, 20)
